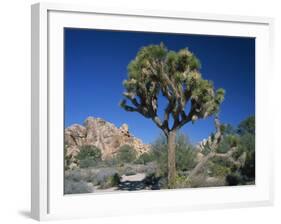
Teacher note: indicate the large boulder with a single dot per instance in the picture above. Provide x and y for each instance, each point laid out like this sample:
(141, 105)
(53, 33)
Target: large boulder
(102, 134)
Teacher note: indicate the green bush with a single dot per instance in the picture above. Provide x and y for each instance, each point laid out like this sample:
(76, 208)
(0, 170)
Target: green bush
(111, 181)
(182, 182)
(244, 139)
(160, 152)
(185, 154)
(145, 158)
(247, 126)
(72, 187)
(67, 159)
(88, 156)
(219, 170)
(85, 163)
(228, 142)
(126, 154)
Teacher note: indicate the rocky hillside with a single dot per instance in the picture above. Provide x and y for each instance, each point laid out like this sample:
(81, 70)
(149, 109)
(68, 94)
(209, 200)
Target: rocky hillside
(102, 134)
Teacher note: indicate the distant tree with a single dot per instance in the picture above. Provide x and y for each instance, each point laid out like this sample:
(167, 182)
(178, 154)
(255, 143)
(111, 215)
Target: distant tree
(228, 129)
(247, 126)
(247, 144)
(157, 71)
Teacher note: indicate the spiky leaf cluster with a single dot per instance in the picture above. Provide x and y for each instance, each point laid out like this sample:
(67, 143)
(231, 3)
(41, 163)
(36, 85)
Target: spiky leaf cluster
(175, 75)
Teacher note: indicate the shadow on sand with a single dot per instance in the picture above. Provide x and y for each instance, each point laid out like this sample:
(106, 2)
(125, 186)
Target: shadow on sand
(147, 184)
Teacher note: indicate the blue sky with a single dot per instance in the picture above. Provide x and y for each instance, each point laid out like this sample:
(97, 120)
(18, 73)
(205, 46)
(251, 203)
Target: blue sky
(96, 65)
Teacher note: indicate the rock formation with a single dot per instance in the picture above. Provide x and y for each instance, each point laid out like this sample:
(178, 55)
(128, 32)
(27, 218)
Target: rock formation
(102, 134)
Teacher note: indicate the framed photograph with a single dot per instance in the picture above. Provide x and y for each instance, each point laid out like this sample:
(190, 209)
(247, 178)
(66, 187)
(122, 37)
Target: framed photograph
(138, 111)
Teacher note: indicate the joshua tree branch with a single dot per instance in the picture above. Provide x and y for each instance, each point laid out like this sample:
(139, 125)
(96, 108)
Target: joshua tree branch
(212, 154)
(146, 113)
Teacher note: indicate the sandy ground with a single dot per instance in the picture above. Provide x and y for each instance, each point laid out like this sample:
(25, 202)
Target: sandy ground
(127, 180)
(136, 177)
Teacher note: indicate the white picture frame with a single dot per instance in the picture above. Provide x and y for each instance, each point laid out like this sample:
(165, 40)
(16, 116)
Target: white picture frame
(48, 201)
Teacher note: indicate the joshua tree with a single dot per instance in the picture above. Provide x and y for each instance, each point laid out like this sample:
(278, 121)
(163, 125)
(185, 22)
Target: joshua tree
(158, 72)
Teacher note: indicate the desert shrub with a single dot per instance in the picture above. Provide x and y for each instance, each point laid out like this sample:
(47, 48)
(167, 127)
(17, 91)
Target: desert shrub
(74, 182)
(243, 138)
(80, 175)
(228, 129)
(145, 158)
(67, 159)
(73, 175)
(218, 170)
(160, 151)
(110, 162)
(132, 169)
(205, 181)
(228, 142)
(182, 182)
(246, 173)
(149, 168)
(73, 187)
(84, 163)
(185, 153)
(115, 179)
(88, 156)
(247, 126)
(110, 181)
(247, 144)
(102, 175)
(126, 154)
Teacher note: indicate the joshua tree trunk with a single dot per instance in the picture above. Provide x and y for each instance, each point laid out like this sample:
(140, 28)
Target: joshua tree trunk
(171, 159)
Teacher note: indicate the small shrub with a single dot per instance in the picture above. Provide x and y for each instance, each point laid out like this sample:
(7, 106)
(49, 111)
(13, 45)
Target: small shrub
(228, 142)
(73, 187)
(102, 175)
(110, 181)
(185, 154)
(126, 154)
(67, 159)
(88, 156)
(247, 126)
(129, 172)
(149, 168)
(218, 170)
(73, 175)
(131, 169)
(181, 182)
(145, 158)
(110, 162)
(115, 179)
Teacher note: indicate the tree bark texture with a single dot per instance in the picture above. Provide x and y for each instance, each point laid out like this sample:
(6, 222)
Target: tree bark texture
(171, 159)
